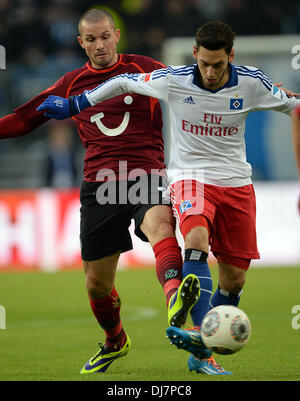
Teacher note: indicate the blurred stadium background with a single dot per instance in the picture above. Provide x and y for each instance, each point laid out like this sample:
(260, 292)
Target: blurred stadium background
(39, 206)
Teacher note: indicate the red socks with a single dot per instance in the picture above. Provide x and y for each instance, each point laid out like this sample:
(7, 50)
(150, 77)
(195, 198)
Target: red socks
(168, 265)
(169, 273)
(107, 313)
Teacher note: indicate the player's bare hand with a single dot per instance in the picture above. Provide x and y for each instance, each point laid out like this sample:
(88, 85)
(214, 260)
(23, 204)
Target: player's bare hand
(287, 91)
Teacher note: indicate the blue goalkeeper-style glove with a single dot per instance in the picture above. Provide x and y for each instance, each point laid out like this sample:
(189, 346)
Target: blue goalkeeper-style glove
(60, 108)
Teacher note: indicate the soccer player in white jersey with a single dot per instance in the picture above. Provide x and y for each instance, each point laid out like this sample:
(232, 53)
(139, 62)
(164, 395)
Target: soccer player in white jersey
(210, 180)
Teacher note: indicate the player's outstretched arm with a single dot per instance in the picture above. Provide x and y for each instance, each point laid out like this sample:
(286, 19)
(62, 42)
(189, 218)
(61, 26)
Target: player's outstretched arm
(296, 140)
(61, 108)
(287, 91)
(11, 126)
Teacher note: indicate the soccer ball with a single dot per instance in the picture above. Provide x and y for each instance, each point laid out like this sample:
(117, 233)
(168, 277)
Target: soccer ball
(225, 329)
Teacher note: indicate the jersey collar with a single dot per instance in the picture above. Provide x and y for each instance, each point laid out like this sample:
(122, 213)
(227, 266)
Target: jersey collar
(232, 81)
(104, 70)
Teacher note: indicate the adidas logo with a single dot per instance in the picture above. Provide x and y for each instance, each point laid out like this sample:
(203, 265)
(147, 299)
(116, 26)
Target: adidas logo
(189, 100)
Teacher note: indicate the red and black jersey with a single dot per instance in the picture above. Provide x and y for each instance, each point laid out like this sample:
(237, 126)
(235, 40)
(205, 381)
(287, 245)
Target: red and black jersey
(125, 128)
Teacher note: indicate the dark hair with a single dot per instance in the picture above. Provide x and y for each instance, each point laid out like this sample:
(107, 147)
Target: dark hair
(95, 15)
(215, 35)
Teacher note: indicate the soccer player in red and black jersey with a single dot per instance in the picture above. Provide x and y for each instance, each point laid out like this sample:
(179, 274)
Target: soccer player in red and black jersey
(127, 128)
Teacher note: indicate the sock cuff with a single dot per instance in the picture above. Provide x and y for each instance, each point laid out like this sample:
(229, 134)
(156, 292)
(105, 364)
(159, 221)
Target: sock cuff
(114, 293)
(166, 243)
(106, 300)
(195, 255)
(228, 294)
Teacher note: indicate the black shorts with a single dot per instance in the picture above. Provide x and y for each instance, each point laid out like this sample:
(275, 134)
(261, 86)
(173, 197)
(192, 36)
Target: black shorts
(106, 213)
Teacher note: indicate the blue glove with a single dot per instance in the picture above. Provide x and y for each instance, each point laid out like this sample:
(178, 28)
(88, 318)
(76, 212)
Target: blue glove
(60, 108)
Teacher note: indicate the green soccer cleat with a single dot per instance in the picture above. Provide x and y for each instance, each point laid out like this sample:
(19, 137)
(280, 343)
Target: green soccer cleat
(182, 301)
(103, 359)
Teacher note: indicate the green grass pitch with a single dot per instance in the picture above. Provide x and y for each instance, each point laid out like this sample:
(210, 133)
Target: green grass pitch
(51, 332)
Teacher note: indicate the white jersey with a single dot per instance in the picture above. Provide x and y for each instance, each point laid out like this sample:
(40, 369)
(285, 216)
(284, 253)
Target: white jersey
(207, 127)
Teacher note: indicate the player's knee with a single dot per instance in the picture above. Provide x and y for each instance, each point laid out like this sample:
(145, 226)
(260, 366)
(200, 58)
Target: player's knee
(232, 272)
(232, 280)
(100, 275)
(197, 238)
(158, 224)
(165, 229)
(96, 286)
(97, 289)
(235, 285)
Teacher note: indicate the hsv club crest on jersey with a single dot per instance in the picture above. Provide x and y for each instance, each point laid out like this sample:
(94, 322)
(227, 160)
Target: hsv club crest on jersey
(236, 104)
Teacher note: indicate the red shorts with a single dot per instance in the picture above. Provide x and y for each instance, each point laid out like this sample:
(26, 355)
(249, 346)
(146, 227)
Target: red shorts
(230, 212)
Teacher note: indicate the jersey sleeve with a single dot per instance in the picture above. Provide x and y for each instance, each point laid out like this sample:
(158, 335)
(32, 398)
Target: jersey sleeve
(154, 84)
(27, 112)
(269, 97)
(12, 127)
